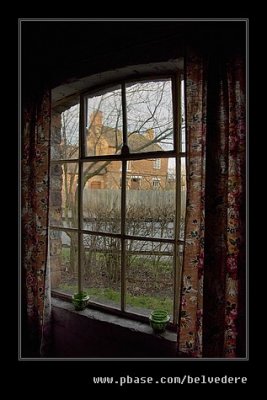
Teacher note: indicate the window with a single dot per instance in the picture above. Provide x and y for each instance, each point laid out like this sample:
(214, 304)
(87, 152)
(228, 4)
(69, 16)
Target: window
(157, 163)
(129, 165)
(135, 182)
(121, 243)
(96, 185)
(156, 183)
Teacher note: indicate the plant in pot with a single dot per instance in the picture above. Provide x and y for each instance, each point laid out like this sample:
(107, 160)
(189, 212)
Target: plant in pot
(158, 320)
(80, 300)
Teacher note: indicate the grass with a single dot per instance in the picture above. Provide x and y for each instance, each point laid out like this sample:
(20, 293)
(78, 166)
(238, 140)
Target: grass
(110, 295)
(65, 254)
(107, 294)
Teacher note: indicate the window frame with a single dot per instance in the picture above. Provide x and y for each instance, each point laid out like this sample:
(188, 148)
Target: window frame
(155, 183)
(157, 163)
(124, 157)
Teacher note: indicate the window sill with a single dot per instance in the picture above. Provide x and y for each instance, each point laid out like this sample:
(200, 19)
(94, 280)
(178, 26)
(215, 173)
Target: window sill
(115, 320)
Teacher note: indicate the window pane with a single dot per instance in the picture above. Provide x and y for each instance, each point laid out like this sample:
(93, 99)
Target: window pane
(183, 197)
(104, 123)
(63, 195)
(150, 199)
(149, 116)
(182, 144)
(149, 276)
(102, 196)
(64, 261)
(101, 269)
(181, 254)
(65, 133)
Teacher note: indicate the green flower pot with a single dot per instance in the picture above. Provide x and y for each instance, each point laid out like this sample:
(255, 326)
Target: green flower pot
(80, 301)
(158, 320)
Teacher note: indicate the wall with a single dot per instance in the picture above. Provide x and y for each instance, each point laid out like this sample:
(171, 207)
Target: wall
(85, 48)
(93, 334)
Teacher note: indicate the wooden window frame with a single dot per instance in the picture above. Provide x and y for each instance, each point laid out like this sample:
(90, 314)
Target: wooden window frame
(124, 157)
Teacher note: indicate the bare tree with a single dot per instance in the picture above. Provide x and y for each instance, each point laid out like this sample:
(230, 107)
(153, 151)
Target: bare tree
(149, 107)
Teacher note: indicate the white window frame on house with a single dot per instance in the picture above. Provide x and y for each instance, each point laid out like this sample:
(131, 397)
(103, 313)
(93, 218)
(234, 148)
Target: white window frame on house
(157, 163)
(136, 178)
(155, 183)
(126, 158)
(129, 165)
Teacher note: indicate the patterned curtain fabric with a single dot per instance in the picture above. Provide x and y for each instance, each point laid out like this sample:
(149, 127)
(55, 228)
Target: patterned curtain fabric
(34, 241)
(213, 294)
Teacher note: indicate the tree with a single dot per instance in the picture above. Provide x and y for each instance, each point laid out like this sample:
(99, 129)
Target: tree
(149, 108)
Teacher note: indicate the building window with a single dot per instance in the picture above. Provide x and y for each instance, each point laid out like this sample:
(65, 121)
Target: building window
(96, 185)
(121, 243)
(156, 183)
(129, 165)
(135, 182)
(157, 163)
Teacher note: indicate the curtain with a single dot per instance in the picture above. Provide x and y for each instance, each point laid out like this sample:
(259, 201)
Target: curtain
(34, 231)
(212, 317)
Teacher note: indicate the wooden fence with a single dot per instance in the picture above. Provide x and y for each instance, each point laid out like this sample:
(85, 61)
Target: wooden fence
(110, 199)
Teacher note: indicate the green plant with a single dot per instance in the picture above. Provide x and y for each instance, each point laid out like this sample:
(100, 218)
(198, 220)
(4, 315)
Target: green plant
(158, 320)
(80, 300)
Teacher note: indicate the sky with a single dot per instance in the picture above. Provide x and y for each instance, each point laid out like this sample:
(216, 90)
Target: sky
(148, 104)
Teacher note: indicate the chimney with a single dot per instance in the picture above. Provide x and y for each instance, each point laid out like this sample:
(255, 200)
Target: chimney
(150, 135)
(96, 119)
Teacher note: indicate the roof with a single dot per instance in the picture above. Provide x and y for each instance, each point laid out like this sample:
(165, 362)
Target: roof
(136, 140)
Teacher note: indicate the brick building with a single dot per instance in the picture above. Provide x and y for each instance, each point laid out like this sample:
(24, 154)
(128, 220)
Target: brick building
(141, 174)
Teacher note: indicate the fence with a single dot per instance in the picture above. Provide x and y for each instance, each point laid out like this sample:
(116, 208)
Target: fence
(110, 199)
(149, 213)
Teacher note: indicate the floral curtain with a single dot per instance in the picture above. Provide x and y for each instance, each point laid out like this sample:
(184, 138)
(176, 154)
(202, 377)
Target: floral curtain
(34, 240)
(213, 288)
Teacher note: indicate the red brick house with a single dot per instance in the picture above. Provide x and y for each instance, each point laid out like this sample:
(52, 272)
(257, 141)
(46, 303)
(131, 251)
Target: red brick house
(141, 174)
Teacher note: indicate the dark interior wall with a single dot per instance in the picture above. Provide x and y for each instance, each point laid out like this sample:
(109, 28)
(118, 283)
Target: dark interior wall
(53, 52)
(93, 334)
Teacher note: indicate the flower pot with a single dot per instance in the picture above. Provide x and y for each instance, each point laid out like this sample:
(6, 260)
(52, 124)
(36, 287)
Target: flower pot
(80, 301)
(158, 320)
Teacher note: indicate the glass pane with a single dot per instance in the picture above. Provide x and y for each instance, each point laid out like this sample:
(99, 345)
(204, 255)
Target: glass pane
(104, 123)
(102, 196)
(183, 197)
(181, 255)
(63, 195)
(183, 144)
(101, 269)
(151, 198)
(64, 261)
(149, 276)
(65, 133)
(149, 116)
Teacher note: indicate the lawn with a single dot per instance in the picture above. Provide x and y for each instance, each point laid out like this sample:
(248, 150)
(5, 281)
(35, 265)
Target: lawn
(153, 282)
(110, 295)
